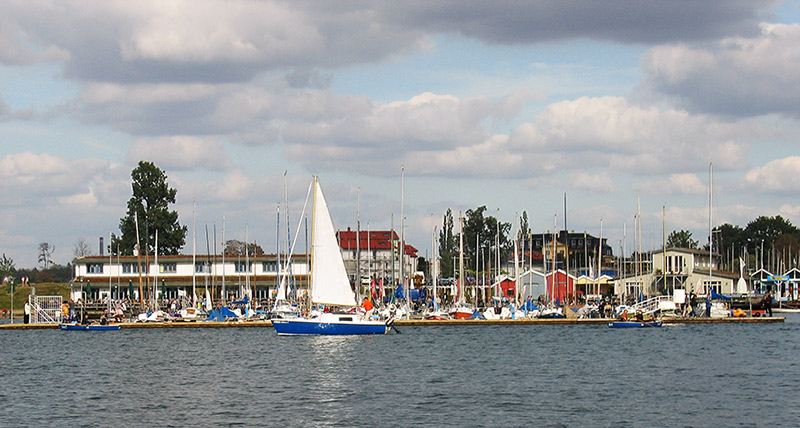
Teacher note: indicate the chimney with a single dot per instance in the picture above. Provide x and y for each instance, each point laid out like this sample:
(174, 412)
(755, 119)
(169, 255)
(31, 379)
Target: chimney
(102, 247)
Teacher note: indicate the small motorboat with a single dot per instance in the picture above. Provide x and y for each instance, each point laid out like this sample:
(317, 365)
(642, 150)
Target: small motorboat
(83, 327)
(634, 324)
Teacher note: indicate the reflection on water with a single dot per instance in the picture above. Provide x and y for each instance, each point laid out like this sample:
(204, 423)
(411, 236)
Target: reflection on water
(689, 375)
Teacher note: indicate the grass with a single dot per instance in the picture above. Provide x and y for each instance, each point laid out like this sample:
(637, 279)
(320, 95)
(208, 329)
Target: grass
(21, 294)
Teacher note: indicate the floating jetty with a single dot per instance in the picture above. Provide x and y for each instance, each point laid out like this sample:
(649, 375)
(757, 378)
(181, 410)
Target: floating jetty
(412, 322)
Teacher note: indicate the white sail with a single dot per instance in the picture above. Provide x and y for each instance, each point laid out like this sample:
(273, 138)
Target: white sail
(329, 283)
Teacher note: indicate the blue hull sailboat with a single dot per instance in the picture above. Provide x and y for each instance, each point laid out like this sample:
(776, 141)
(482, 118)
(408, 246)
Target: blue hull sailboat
(329, 324)
(329, 284)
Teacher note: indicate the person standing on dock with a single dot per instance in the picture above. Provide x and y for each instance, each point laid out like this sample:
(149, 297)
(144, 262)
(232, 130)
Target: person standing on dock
(27, 311)
(766, 302)
(708, 305)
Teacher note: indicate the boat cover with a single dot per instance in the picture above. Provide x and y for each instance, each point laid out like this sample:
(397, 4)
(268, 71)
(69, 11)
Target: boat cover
(715, 295)
(476, 315)
(221, 314)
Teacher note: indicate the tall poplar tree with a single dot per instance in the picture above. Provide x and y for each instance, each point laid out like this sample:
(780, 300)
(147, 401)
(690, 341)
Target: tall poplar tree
(447, 245)
(150, 203)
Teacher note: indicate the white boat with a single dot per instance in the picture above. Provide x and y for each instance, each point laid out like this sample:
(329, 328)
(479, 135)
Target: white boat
(329, 284)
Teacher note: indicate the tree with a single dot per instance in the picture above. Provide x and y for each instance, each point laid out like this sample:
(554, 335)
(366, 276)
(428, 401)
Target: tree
(7, 270)
(447, 245)
(482, 231)
(681, 239)
(150, 204)
(769, 229)
(46, 254)
(234, 247)
(524, 226)
(81, 249)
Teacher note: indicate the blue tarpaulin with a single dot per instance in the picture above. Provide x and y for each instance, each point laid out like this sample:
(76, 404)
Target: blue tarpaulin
(715, 295)
(476, 315)
(399, 292)
(419, 294)
(530, 306)
(221, 314)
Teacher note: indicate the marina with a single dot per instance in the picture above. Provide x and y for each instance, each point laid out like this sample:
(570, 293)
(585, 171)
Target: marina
(412, 322)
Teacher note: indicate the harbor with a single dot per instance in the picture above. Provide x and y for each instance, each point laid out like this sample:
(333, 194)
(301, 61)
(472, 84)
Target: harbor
(411, 322)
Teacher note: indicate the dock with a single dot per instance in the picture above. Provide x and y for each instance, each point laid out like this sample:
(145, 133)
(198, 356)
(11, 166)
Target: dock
(413, 322)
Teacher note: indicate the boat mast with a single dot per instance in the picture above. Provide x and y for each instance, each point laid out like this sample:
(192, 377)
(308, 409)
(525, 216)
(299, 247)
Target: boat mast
(407, 288)
(224, 296)
(278, 279)
(138, 257)
(109, 273)
(246, 264)
(566, 246)
(313, 237)
(154, 294)
(710, 225)
(553, 258)
(460, 259)
(477, 264)
(433, 265)
(194, 253)
(664, 246)
(600, 256)
(358, 245)
(516, 264)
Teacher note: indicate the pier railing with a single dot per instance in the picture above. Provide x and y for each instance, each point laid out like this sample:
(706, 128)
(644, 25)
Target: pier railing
(653, 304)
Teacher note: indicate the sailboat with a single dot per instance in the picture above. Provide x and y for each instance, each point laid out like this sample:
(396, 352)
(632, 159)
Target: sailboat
(329, 284)
(461, 310)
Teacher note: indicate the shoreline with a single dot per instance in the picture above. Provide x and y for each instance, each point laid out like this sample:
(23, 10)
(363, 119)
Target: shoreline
(400, 323)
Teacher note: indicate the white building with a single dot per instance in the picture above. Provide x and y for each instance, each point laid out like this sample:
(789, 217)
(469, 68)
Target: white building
(180, 276)
(678, 268)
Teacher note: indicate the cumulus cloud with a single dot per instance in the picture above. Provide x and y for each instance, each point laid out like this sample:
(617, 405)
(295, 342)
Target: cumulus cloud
(582, 180)
(737, 76)
(122, 41)
(30, 179)
(200, 41)
(180, 153)
(680, 184)
(612, 133)
(780, 175)
(429, 133)
(620, 21)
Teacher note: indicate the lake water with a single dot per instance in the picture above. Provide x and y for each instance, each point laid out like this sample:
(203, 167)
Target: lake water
(680, 375)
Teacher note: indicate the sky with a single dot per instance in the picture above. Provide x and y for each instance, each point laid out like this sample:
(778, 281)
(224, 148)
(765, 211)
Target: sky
(619, 107)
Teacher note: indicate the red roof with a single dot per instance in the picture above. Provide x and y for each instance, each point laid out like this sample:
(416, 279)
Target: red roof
(371, 240)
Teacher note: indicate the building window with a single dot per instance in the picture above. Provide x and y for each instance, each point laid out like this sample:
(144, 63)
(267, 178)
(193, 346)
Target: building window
(94, 268)
(269, 266)
(201, 267)
(242, 266)
(130, 268)
(168, 267)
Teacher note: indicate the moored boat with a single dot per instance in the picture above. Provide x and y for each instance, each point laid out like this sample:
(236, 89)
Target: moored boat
(634, 324)
(81, 327)
(462, 312)
(329, 284)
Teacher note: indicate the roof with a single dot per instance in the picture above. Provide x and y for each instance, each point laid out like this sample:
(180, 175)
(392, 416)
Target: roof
(371, 240)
